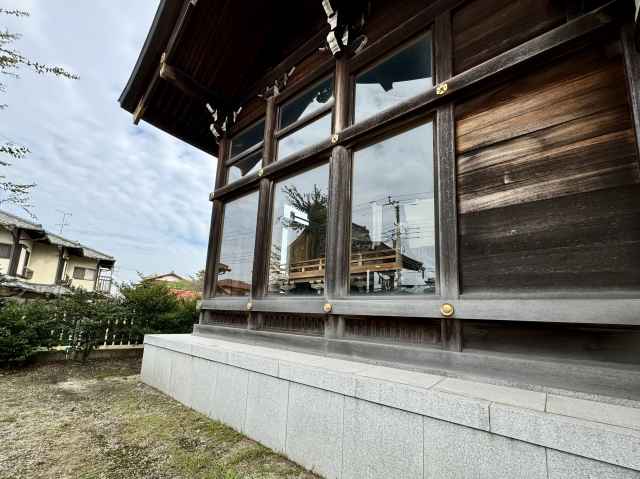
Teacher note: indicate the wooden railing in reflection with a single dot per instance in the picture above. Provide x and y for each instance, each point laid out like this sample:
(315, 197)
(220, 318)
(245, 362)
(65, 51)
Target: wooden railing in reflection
(382, 260)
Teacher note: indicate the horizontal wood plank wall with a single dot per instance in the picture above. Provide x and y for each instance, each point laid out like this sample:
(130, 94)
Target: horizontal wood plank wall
(394, 330)
(483, 29)
(548, 180)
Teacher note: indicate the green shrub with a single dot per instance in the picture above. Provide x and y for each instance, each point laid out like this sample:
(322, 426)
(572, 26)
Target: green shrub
(155, 309)
(25, 328)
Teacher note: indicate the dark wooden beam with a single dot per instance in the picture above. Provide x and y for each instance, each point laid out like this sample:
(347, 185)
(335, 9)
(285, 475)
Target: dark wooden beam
(571, 311)
(632, 70)
(190, 86)
(261, 251)
(307, 48)
(215, 229)
(140, 110)
(414, 26)
(451, 328)
(338, 246)
(187, 9)
(213, 251)
(428, 101)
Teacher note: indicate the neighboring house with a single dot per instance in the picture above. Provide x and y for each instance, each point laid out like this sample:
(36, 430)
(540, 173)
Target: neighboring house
(33, 255)
(171, 277)
(175, 284)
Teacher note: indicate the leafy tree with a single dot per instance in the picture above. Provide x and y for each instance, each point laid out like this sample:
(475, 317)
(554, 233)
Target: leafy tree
(155, 309)
(314, 205)
(12, 62)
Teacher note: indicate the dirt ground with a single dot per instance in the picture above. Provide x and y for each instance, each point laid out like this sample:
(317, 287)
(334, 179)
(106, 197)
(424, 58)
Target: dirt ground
(99, 421)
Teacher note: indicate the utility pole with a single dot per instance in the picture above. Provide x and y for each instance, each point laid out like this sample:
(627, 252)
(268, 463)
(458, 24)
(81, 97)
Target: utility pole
(63, 222)
(396, 240)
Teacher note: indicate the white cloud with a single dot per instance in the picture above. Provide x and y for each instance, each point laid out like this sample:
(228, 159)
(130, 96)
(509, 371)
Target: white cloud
(134, 192)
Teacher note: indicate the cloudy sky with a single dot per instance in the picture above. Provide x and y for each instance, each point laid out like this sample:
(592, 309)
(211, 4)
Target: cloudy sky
(133, 192)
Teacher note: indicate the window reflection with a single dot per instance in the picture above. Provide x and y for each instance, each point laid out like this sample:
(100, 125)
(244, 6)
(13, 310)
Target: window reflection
(308, 102)
(298, 240)
(247, 138)
(245, 166)
(235, 266)
(309, 135)
(400, 77)
(393, 216)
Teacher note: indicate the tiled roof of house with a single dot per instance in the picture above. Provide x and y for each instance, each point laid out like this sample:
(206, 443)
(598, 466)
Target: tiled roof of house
(10, 220)
(7, 219)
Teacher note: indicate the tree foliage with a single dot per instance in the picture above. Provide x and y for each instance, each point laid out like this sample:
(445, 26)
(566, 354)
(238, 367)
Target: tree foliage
(12, 61)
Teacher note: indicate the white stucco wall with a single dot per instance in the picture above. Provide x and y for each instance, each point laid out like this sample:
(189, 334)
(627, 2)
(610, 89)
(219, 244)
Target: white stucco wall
(44, 263)
(88, 263)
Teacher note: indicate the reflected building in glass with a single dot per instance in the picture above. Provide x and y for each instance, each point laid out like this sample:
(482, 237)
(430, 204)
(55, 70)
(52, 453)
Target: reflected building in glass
(235, 268)
(393, 243)
(299, 231)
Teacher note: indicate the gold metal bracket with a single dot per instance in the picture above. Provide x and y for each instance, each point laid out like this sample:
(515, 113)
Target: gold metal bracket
(334, 138)
(442, 89)
(249, 306)
(327, 307)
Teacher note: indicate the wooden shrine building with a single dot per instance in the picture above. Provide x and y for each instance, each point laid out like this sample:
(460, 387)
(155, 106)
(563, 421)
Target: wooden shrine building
(446, 186)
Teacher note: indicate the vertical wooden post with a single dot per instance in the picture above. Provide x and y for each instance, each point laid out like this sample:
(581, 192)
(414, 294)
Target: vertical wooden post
(60, 267)
(632, 70)
(338, 249)
(261, 255)
(16, 250)
(215, 230)
(449, 287)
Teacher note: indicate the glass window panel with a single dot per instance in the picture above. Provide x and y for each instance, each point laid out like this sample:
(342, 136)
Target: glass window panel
(247, 138)
(308, 102)
(235, 266)
(298, 240)
(393, 216)
(311, 134)
(398, 78)
(245, 166)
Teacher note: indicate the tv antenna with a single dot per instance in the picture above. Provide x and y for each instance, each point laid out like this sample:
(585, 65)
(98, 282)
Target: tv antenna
(63, 222)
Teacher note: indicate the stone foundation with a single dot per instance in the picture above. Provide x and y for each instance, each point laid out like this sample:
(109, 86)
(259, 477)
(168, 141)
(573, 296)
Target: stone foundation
(349, 419)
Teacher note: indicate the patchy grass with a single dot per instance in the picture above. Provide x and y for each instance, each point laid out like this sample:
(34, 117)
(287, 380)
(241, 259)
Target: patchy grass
(97, 421)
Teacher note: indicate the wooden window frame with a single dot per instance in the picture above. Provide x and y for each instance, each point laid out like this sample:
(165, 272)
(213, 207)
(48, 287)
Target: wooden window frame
(229, 161)
(10, 249)
(84, 273)
(621, 309)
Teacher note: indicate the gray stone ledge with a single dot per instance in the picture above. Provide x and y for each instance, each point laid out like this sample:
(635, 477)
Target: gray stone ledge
(594, 411)
(490, 392)
(594, 431)
(612, 444)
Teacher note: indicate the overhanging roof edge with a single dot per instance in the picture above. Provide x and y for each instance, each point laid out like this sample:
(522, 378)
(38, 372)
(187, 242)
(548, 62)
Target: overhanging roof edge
(159, 33)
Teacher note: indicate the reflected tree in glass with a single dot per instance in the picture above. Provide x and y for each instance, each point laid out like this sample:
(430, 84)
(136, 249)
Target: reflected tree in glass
(298, 241)
(393, 216)
(235, 266)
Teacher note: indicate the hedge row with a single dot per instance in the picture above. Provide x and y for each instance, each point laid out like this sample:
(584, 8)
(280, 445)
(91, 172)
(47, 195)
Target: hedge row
(82, 321)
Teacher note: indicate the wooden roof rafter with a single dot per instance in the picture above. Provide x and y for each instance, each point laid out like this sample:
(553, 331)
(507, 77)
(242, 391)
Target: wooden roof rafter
(176, 34)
